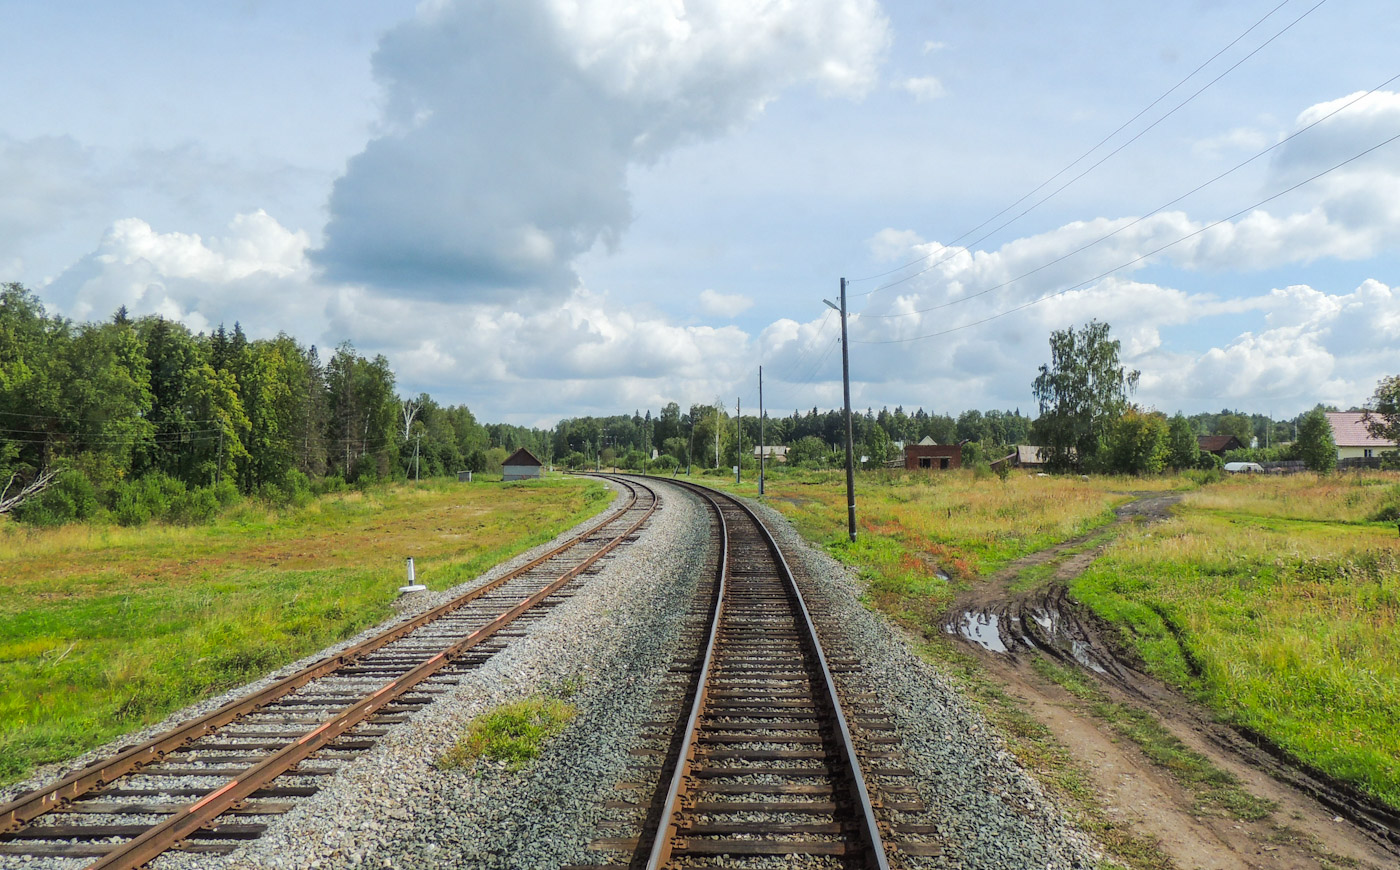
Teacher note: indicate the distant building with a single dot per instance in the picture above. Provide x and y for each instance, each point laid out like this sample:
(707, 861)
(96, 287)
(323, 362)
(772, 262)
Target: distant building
(929, 454)
(1029, 456)
(1354, 440)
(772, 453)
(522, 465)
(1218, 444)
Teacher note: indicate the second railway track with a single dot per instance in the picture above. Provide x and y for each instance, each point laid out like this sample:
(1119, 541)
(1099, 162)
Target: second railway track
(221, 779)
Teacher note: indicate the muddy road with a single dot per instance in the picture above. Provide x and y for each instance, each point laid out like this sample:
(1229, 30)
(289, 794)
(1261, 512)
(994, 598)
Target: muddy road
(1317, 821)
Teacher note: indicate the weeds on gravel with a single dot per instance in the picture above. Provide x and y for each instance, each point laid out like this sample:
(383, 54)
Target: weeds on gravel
(1277, 604)
(512, 733)
(104, 630)
(1213, 788)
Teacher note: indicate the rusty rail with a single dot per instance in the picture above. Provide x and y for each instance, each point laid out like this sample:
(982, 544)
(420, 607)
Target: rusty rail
(181, 824)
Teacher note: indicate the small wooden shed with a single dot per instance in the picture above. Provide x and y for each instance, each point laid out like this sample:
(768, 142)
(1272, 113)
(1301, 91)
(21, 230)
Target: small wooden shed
(522, 465)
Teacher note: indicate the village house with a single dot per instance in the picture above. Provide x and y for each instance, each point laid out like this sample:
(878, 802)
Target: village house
(1353, 439)
(930, 454)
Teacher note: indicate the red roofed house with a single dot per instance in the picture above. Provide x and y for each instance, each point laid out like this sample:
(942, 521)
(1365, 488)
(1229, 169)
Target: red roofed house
(1354, 440)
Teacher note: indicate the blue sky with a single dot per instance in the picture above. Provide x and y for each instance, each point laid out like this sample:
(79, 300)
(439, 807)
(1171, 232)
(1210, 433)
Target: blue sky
(555, 207)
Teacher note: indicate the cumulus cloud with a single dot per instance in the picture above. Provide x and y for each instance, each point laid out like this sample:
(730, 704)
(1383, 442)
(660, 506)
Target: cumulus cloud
(923, 88)
(509, 129)
(724, 304)
(183, 277)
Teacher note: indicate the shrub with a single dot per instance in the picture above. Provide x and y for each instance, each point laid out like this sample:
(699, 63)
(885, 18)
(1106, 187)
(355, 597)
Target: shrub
(139, 501)
(70, 497)
(195, 507)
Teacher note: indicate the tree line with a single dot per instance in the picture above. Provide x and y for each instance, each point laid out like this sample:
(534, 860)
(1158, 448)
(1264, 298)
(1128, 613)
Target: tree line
(145, 419)
(1088, 423)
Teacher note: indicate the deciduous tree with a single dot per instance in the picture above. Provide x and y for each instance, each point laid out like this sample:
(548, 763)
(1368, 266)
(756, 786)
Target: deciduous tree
(1315, 445)
(1081, 392)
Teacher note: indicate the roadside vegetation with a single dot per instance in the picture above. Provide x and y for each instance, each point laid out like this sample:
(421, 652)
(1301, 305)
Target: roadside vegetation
(1275, 601)
(922, 537)
(106, 628)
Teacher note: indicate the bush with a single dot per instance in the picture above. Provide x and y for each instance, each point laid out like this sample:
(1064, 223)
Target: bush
(1203, 476)
(135, 502)
(69, 498)
(193, 508)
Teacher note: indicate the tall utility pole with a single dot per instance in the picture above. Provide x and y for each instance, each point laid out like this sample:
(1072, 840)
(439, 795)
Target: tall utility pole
(739, 439)
(850, 448)
(762, 448)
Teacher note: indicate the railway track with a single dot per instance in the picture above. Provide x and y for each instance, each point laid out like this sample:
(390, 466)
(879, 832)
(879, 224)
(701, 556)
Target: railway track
(764, 766)
(222, 779)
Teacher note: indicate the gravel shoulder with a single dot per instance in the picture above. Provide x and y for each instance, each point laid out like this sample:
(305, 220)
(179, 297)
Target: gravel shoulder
(394, 808)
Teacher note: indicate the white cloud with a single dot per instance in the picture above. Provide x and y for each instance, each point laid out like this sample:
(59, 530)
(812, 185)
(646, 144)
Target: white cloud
(1240, 140)
(931, 46)
(509, 129)
(728, 305)
(184, 277)
(924, 88)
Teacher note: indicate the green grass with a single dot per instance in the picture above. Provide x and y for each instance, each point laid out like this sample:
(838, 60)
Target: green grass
(913, 525)
(105, 629)
(1277, 603)
(512, 734)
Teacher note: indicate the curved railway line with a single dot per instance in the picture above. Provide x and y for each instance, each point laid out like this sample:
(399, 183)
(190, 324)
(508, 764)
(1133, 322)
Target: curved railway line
(763, 763)
(216, 781)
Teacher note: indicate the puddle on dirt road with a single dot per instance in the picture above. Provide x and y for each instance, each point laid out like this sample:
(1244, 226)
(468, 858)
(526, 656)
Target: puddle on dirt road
(1055, 631)
(981, 628)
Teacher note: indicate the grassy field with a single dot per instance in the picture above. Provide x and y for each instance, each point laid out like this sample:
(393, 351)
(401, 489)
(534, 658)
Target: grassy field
(104, 629)
(1275, 601)
(1272, 599)
(922, 537)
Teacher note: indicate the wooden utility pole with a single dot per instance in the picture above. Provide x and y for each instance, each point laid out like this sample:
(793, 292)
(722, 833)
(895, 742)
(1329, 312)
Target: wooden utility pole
(850, 447)
(739, 436)
(762, 448)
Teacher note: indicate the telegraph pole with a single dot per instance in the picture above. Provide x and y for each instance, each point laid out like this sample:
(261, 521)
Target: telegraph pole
(846, 385)
(762, 448)
(739, 436)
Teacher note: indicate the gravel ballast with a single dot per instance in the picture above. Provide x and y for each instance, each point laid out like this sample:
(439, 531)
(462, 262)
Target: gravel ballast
(613, 642)
(394, 808)
(989, 812)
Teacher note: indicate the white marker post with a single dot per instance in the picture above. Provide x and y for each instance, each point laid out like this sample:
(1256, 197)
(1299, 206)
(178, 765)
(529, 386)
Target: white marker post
(413, 585)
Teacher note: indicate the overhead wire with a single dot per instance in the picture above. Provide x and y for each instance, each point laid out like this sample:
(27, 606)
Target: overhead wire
(1137, 259)
(1198, 188)
(1083, 156)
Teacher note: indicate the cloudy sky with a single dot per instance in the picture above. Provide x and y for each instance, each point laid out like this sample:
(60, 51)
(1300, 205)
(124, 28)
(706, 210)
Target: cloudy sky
(545, 208)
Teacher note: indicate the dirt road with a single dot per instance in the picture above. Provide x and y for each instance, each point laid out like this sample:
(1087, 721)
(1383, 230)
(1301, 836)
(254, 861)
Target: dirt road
(1315, 823)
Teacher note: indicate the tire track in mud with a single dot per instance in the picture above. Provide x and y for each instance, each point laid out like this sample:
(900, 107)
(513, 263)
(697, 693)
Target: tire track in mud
(1007, 628)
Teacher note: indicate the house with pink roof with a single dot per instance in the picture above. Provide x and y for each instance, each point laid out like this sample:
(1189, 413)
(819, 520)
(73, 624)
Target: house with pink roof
(1354, 440)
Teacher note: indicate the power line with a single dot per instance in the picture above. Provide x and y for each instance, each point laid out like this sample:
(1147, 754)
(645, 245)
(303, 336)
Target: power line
(1102, 160)
(58, 419)
(1144, 217)
(1137, 259)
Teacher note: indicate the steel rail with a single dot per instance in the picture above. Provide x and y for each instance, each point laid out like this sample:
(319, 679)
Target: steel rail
(160, 838)
(27, 807)
(666, 831)
(869, 828)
